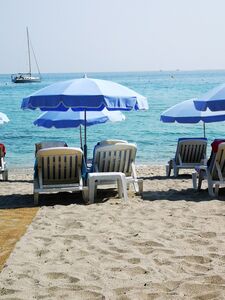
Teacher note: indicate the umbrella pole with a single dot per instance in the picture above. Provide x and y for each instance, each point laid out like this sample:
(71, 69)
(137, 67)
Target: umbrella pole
(85, 135)
(204, 128)
(81, 145)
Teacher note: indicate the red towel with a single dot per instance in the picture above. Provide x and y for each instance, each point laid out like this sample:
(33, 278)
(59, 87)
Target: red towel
(215, 144)
(2, 146)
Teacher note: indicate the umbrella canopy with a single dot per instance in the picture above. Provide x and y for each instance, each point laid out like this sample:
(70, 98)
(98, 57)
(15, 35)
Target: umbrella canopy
(3, 118)
(85, 94)
(71, 119)
(185, 112)
(213, 99)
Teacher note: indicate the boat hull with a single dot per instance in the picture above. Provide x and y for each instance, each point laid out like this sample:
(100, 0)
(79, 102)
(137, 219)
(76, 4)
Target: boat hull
(25, 79)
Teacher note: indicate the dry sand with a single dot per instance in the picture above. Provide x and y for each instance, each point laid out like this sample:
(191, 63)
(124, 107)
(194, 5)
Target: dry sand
(167, 245)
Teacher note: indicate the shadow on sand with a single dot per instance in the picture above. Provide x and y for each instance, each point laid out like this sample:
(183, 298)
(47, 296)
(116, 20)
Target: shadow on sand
(27, 200)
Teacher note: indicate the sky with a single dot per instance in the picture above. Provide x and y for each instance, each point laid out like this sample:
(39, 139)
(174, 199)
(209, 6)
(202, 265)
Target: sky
(113, 35)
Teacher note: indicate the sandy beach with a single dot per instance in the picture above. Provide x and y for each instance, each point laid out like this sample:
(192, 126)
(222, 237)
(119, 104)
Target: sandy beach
(168, 244)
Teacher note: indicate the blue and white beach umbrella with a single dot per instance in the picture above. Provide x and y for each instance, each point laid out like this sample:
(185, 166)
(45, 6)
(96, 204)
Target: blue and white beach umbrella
(213, 99)
(73, 119)
(185, 112)
(85, 94)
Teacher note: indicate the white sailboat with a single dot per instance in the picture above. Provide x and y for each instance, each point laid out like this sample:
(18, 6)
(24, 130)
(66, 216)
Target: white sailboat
(27, 77)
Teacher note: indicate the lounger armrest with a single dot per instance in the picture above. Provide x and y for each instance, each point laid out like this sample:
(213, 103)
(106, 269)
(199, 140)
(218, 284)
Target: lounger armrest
(204, 161)
(202, 167)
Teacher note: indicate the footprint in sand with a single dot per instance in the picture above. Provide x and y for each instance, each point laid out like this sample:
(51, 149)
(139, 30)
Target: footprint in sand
(149, 244)
(214, 279)
(40, 253)
(113, 248)
(195, 259)
(162, 262)
(207, 235)
(89, 295)
(134, 260)
(200, 291)
(6, 292)
(55, 276)
(130, 271)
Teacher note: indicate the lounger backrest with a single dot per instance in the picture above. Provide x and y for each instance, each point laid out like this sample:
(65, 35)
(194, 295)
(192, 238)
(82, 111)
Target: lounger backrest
(111, 142)
(59, 165)
(191, 151)
(115, 158)
(49, 144)
(218, 167)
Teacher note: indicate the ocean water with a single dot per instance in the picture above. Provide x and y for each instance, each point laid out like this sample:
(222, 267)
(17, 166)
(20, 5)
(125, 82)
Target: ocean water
(156, 141)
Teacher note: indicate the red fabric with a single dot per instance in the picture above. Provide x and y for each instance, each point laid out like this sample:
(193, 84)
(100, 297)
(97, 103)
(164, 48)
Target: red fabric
(215, 144)
(2, 146)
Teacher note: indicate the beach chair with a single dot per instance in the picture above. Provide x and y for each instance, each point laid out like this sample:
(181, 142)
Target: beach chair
(214, 173)
(49, 144)
(103, 143)
(190, 153)
(59, 170)
(111, 159)
(3, 165)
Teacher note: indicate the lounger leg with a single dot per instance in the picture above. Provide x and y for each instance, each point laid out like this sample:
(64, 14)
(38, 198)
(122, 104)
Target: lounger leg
(85, 195)
(91, 188)
(124, 187)
(200, 179)
(140, 185)
(36, 198)
(169, 167)
(194, 180)
(5, 176)
(119, 187)
(136, 187)
(176, 171)
(210, 189)
(217, 190)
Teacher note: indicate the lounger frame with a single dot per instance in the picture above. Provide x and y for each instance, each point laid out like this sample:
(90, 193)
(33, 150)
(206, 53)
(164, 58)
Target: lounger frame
(214, 173)
(59, 170)
(119, 157)
(190, 153)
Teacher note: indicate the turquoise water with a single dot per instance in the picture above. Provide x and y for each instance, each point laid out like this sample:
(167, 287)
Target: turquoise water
(156, 140)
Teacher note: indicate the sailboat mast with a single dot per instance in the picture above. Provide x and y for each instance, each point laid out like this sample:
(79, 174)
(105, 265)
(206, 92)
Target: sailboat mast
(28, 45)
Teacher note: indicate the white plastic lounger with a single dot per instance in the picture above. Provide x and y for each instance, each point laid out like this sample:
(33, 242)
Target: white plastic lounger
(59, 170)
(190, 153)
(3, 166)
(119, 158)
(214, 173)
(49, 144)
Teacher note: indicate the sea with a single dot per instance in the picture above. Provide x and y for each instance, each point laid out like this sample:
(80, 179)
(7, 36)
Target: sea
(156, 141)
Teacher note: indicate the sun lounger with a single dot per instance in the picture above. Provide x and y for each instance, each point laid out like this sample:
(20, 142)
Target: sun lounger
(59, 170)
(49, 144)
(3, 165)
(119, 158)
(214, 172)
(190, 153)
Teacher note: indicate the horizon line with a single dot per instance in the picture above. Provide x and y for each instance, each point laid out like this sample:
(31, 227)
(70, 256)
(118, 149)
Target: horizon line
(137, 71)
